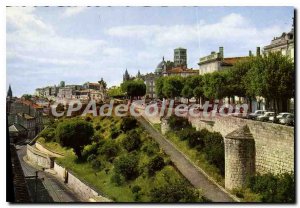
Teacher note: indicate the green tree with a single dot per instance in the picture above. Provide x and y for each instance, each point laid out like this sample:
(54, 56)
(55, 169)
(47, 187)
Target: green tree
(134, 88)
(132, 141)
(172, 86)
(127, 165)
(159, 83)
(272, 77)
(27, 96)
(75, 134)
(187, 92)
(178, 191)
(115, 92)
(155, 164)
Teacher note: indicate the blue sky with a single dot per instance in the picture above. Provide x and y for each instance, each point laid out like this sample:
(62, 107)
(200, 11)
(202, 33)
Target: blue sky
(45, 45)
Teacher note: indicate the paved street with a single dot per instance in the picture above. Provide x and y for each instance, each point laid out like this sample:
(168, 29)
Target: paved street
(187, 168)
(48, 184)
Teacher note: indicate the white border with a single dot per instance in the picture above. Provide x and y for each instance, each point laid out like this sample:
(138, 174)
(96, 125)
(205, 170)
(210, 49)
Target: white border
(5, 3)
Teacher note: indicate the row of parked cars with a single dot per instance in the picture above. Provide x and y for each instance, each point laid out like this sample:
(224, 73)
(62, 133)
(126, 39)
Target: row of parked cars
(268, 116)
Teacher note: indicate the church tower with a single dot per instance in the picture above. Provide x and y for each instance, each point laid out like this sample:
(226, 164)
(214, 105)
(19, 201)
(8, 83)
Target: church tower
(9, 92)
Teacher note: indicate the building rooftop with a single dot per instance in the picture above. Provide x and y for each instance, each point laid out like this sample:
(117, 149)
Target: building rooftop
(26, 116)
(16, 128)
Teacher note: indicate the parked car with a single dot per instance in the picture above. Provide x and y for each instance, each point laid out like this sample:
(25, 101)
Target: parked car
(256, 114)
(287, 120)
(279, 116)
(265, 117)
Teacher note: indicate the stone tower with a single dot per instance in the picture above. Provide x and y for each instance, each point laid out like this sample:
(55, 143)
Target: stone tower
(180, 57)
(9, 92)
(126, 76)
(239, 157)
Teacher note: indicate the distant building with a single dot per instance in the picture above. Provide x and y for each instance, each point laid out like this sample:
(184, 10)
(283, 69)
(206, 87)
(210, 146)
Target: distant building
(284, 43)
(126, 76)
(65, 93)
(180, 57)
(150, 84)
(216, 62)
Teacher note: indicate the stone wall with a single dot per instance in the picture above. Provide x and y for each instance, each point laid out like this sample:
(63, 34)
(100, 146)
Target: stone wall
(82, 189)
(274, 143)
(39, 158)
(41, 148)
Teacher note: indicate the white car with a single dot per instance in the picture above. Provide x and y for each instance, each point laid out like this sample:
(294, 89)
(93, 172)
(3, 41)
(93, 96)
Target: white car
(279, 116)
(256, 114)
(265, 117)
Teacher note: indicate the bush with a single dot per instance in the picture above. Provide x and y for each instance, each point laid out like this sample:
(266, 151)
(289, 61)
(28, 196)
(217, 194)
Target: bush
(155, 164)
(136, 189)
(132, 141)
(128, 123)
(127, 166)
(178, 123)
(91, 158)
(177, 191)
(90, 149)
(274, 188)
(114, 133)
(214, 150)
(48, 134)
(97, 127)
(117, 179)
(109, 149)
(150, 148)
(96, 164)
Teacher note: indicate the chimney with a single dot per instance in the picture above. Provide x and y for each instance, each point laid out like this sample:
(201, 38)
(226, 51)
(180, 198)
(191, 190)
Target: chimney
(257, 51)
(221, 51)
(250, 53)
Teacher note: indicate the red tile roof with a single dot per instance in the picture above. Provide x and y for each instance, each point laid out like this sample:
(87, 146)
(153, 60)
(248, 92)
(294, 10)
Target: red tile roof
(233, 60)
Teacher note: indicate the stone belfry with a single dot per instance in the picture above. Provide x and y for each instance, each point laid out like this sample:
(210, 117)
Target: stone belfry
(9, 92)
(126, 76)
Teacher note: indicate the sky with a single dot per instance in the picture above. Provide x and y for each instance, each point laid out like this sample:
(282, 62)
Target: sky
(45, 45)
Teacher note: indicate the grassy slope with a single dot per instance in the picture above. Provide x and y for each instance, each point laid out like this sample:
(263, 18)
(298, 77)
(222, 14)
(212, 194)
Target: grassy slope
(101, 179)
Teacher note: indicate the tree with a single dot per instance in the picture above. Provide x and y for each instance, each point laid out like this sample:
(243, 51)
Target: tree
(75, 134)
(172, 86)
(159, 83)
(115, 92)
(187, 92)
(103, 83)
(27, 96)
(178, 191)
(109, 149)
(155, 164)
(134, 88)
(272, 77)
(127, 165)
(132, 141)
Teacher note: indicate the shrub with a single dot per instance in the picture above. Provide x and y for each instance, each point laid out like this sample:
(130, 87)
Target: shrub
(91, 158)
(117, 179)
(48, 134)
(97, 127)
(89, 150)
(155, 164)
(132, 141)
(177, 191)
(114, 133)
(136, 189)
(273, 188)
(150, 148)
(128, 123)
(177, 123)
(109, 149)
(96, 164)
(127, 166)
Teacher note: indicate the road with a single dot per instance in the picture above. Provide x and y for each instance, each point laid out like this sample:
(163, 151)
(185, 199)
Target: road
(187, 168)
(50, 188)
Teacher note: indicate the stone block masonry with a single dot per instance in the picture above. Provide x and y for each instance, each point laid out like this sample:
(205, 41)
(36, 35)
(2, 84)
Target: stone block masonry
(274, 143)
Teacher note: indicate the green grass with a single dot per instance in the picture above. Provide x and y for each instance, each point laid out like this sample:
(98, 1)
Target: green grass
(157, 126)
(197, 157)
(53, 146)
(101, 179)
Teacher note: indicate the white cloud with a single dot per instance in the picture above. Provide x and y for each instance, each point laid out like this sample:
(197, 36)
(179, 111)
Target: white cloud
(71, 11)
(229, 29)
